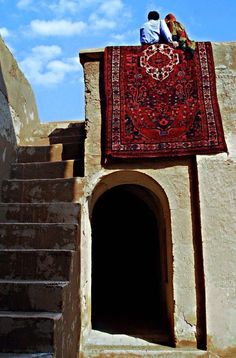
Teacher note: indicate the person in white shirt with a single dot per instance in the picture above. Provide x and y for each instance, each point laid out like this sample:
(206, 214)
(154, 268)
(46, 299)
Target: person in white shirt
(156, 31)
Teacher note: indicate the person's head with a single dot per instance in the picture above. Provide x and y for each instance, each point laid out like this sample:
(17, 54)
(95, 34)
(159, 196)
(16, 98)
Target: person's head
(153, 15)
(169, 18)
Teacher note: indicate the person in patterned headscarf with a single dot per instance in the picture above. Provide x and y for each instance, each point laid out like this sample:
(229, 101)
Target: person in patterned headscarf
(179, 34)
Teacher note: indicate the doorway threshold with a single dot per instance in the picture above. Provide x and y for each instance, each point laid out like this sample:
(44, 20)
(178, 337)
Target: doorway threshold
(99, 344)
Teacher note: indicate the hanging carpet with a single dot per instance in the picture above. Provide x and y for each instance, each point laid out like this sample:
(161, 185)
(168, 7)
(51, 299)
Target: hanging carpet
(159, 102)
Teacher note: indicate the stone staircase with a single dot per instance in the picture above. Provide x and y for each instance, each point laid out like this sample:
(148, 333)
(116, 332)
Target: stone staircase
(39, 249)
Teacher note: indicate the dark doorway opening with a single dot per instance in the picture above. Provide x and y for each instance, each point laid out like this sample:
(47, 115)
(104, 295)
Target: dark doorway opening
(128, 294)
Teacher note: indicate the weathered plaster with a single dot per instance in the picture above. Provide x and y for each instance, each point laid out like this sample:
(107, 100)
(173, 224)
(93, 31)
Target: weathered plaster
(19, 95)
(173, 177)
(18, 112)
(7, 139)
(218, 201)
(217, 207)
(19, 125)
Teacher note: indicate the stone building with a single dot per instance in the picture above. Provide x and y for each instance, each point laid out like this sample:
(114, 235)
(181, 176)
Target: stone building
(72, 283)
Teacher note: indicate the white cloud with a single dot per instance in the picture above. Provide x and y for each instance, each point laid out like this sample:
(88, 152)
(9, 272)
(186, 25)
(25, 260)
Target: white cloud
(111, 7)
(47, 52)
(98, 23)
(23, 3)
(108, 15)
(58, 66)
(63, 6)
(43, 67)
(57, 27)
(4, 32)
(128, 38)
(104, 16)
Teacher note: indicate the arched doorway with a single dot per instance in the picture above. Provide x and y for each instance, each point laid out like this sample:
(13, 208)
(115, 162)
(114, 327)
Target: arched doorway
(129, 265)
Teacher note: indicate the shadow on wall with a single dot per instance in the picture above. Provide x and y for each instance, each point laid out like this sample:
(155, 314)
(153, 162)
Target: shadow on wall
(72, 139)
(198, 256)
(8, 143)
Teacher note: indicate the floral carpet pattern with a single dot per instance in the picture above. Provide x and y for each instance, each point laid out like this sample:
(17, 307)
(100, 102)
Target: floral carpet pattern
(160, 103)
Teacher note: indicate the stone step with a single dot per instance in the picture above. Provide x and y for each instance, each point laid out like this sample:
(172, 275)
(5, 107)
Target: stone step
(38, 296)
(50, 265)
(66, 139)
(29, 332)
(40, 212)
(45, 153)
(143, 351)
(73, 151)
(41, 190)
(47, 170)
(39, 236)
(26, 355)
(75, 133)
(73, 130)
(50, 153)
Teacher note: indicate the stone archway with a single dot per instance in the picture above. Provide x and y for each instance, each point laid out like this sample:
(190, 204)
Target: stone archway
(130, 265)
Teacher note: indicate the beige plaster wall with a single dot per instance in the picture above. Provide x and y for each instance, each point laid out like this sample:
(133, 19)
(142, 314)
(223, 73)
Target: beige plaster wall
(217, 206)
(7, 138)
(217, 185)
(19, 96)
(18, 112)
(173, 177)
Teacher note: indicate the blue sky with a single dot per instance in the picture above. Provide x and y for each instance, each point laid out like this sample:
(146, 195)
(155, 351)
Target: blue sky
(46, 36)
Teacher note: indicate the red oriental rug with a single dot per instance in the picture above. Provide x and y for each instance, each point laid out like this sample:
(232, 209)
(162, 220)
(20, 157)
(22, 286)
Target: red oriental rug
(159, 103)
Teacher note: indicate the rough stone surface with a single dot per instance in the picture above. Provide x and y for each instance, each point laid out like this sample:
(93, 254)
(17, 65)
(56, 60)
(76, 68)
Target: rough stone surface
(7, 139)
(178, 180)
(42, 190)
(28, 332)
(19, 122)
(39, 236)
(25, 355)
(26, 296)
(18, 112)
(173, 178)
(44, 153)
(49, 170)
(136, 353)
(21, 106)
(218, 202)
(39, 247)
(39, 213)
(41, 265)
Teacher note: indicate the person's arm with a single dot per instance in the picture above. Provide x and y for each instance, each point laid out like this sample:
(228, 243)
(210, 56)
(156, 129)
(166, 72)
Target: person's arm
(142, 36)
(167, 34)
